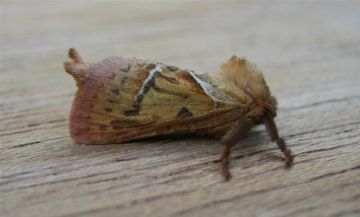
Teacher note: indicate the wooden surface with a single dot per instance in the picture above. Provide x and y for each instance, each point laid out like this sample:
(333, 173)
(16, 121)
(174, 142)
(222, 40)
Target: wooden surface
(309, 52)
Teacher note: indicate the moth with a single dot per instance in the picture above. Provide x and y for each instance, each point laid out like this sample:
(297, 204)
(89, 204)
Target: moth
(121, 99)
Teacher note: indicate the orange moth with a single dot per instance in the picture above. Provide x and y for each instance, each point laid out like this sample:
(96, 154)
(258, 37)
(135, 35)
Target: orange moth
(122, 99)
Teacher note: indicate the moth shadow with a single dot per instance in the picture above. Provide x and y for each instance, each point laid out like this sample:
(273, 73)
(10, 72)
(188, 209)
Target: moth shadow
(187, 145)
(188, 142)
(181, 147)
(171, 138)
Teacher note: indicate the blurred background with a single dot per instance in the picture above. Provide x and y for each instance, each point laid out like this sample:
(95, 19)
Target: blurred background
(309, 52)
(280, 36)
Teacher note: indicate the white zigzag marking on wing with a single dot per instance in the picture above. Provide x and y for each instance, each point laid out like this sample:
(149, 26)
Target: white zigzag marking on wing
(151, 75)
(207, 88)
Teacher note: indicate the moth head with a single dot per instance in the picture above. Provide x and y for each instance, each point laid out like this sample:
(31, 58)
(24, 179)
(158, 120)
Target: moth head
(259, 108)
(247, 82)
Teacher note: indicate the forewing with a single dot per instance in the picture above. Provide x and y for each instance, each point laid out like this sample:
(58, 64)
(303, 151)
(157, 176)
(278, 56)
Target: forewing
(124, 99)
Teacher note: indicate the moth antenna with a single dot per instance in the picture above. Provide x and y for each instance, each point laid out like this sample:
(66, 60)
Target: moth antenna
(229, 139)
(77, 68)
(270, 109)
(272, 131)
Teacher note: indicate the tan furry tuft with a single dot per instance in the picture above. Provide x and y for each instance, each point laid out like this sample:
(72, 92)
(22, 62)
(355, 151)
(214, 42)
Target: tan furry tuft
(240, 74)
(242, 77)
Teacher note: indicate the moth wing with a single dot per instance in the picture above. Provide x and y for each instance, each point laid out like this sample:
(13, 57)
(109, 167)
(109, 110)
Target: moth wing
(124, 99)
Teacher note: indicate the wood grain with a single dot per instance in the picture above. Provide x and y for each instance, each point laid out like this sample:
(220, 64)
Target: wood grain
(310, 55)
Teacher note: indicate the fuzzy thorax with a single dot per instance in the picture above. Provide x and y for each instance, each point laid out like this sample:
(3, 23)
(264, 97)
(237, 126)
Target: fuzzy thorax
(243, 79)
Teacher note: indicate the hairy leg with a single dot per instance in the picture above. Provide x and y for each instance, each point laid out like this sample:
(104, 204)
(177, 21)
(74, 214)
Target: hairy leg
(274, 135)
(229, 139)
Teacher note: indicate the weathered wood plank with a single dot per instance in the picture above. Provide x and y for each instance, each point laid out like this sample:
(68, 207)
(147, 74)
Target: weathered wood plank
(310, 55)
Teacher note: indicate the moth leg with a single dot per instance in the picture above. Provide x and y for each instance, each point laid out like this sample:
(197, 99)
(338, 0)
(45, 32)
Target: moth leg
(229, 139)
(274, 135)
